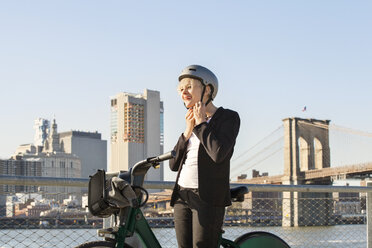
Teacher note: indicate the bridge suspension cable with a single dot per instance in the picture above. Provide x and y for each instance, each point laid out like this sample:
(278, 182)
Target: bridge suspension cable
(351, 131)
(258, 162)
(258, 143)
(259, 152)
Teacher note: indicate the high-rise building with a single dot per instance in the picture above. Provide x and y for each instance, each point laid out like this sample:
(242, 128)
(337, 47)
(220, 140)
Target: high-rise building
(89, 147)
(41, 127)
(136, 130)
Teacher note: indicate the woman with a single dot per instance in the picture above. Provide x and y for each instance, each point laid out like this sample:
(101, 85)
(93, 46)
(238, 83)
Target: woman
(203, 154)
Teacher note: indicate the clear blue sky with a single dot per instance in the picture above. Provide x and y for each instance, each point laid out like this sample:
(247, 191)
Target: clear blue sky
(66, 58)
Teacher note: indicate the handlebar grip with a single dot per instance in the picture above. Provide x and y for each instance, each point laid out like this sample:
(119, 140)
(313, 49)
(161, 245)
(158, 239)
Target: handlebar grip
(163, 157)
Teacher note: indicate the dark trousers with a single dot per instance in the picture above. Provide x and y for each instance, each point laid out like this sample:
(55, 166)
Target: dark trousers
(197, 223)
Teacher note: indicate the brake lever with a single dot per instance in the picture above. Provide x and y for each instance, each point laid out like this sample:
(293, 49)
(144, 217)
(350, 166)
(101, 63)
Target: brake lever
(156, 165)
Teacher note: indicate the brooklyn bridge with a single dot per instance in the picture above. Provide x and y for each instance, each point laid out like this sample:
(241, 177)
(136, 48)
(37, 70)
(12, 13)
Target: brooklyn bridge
(306, 154)
(302, 148)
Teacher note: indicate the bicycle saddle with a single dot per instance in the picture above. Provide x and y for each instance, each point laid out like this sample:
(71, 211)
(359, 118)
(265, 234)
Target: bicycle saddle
(237, 194)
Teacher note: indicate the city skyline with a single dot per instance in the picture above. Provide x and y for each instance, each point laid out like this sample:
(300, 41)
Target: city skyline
(272, 59)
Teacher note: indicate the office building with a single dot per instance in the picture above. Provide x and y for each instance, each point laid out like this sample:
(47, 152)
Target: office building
(89, 147)
(136, 130)
(19, 167)
(54, 162)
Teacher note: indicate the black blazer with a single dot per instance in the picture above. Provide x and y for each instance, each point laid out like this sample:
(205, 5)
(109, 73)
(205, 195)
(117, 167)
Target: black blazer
(217, 140)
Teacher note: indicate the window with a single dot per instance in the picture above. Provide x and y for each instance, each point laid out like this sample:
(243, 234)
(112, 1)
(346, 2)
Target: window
(134, 123)
(114, 123)
(161, 127)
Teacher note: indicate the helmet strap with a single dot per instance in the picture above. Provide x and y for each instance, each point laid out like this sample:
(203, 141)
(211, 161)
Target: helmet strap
(210, 96)
(202, 95)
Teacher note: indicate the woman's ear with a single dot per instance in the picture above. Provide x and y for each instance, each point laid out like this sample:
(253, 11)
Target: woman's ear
(207, 93)
(210, 91)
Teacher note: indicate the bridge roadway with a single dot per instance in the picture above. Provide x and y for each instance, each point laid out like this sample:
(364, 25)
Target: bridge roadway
(342, 172)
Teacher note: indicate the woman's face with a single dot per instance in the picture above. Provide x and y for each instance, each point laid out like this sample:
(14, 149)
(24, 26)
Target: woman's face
(190, 90)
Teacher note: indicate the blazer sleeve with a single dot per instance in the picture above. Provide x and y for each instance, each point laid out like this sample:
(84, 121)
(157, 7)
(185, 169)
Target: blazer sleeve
(180, 149)
(219, 141)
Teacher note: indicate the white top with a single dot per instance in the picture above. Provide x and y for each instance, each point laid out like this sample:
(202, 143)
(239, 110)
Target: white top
(189, 173)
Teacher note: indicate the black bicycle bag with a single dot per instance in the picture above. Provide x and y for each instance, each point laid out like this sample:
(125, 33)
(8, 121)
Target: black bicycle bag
(98, 191)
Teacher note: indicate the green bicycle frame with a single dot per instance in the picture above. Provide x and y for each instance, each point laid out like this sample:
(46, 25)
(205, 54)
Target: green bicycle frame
(136, 223)
(227, 243)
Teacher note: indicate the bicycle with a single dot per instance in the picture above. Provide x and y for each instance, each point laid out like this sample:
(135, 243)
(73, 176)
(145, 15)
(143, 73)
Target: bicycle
(132, 220)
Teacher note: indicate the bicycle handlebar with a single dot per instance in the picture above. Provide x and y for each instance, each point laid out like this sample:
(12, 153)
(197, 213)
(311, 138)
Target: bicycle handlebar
(162, 157)
(140, 169)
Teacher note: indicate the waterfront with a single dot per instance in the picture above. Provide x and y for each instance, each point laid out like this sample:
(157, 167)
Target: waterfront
(305, 237)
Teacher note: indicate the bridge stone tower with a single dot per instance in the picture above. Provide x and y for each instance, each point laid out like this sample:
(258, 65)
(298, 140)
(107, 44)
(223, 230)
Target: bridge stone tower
(306, 147)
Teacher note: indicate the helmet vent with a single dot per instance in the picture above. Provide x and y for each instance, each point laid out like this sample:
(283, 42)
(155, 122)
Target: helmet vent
(192, 69)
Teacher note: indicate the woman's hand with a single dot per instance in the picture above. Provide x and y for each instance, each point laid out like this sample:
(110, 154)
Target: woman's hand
(199, 113)
(190, 123)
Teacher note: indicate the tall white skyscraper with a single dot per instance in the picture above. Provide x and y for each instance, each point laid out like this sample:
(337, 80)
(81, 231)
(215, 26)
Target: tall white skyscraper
(136, 130)
(42, 127)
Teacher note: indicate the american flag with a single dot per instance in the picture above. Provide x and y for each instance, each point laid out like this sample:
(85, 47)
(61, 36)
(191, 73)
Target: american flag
(304, 109)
